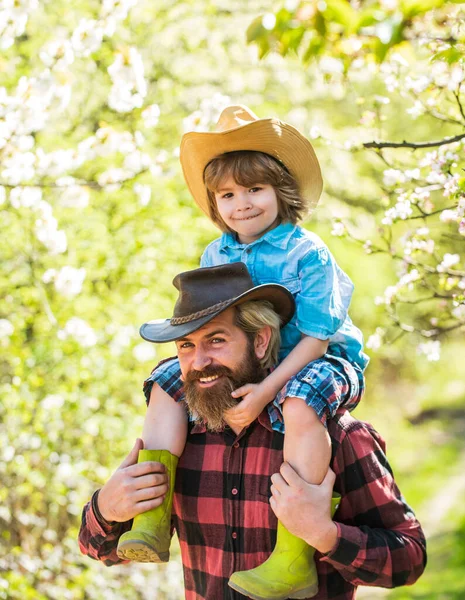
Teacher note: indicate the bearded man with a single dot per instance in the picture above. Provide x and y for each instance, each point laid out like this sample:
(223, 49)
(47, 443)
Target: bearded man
(223, 508)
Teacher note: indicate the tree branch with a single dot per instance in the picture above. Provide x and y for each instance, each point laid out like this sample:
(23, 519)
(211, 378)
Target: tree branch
(414, 145)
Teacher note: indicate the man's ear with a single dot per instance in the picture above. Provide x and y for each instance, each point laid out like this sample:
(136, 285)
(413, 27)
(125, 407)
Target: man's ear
(262, 340)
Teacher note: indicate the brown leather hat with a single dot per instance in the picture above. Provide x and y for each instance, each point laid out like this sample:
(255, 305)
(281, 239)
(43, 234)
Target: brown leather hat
(205, 293)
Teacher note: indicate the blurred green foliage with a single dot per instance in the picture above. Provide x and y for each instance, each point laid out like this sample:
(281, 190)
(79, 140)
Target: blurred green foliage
(70, 412)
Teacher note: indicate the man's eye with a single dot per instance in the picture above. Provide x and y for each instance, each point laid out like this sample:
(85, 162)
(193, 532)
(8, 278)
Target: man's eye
(184, 345)
(217, 340)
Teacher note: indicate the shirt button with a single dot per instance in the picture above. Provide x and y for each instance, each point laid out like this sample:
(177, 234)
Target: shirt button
(234, 535)
(236, 445)
(248, 250)
(234, 491)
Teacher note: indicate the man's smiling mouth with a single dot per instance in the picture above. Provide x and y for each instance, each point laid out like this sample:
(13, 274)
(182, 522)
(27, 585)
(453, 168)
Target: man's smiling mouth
(208, 379)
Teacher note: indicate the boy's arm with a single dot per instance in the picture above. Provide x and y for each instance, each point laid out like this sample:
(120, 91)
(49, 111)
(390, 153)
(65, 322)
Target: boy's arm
(255, 396)
(306, 351)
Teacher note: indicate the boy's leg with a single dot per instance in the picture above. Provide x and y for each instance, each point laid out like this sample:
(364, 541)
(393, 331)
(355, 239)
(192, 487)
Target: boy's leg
(164, 435)
(290, 570)
(307, 445)
(165, 424)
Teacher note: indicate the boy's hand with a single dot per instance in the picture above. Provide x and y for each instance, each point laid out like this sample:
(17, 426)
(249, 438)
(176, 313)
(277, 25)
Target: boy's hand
(254, 399)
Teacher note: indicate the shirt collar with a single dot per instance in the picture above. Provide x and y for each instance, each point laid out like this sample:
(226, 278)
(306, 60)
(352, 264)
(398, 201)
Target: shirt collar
(279, 237)
(263, 419)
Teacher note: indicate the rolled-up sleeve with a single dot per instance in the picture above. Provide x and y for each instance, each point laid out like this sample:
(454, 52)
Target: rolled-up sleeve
(325, 294)
(98, 539)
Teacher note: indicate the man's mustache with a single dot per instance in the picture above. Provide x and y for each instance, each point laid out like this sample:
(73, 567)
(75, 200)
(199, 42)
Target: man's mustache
(213, 371)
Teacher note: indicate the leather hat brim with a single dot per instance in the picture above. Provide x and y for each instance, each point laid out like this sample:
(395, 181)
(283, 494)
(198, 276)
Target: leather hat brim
(162, 330)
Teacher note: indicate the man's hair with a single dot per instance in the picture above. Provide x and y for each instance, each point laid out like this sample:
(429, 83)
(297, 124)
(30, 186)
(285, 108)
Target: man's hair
(247, 168)
(252, 316)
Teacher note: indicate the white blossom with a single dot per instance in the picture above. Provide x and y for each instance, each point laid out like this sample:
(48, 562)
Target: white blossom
(392, 177)
(431, 349)
(448, 216)
(18, 168)
(376, 340)
(451, 186)
(129, 86)
(112, 178)
(339, 229)
(117, 9)
(6, 328)
(68, 280)
(416, 110)
(137, 161)
(52, 402)
(87, 37)
(25, 197)
(75, 196)
(144, 352)
(79, 330)
(459, 312)
(208, 113)
(448, 261)
(151, 115)
(143, 192)
(57, 54)
(47, 232)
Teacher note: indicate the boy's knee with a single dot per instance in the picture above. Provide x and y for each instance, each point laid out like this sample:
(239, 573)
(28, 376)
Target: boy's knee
(297, 412)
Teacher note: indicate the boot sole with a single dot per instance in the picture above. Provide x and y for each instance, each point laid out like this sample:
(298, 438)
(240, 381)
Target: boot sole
(308, 592)
(140, 551)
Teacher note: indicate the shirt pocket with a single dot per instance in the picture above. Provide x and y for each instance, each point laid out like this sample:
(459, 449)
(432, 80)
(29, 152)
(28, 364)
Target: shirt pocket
(264, 492)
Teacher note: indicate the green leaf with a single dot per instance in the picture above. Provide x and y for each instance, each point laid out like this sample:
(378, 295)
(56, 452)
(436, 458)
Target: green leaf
(255, 30)
(450, 56)
(342, 12)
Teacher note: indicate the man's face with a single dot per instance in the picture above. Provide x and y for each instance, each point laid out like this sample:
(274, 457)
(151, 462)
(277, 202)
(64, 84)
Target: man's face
(215, 360)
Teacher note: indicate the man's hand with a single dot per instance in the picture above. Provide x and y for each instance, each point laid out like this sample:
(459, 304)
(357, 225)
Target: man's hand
(133, 488)
(254, 399)
(303, 508)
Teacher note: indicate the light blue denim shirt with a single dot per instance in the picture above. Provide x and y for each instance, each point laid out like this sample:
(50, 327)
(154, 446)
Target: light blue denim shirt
(299, 260)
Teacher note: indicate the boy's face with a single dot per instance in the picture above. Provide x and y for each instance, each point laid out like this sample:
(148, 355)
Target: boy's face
(249, 211)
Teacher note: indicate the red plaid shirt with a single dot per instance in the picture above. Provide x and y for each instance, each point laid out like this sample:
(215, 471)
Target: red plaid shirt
(224, 522)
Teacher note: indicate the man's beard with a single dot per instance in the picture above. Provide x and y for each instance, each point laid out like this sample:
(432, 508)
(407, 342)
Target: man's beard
(209, 404)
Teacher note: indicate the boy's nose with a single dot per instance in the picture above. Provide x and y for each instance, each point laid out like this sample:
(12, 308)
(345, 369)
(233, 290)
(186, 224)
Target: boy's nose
(243, 201)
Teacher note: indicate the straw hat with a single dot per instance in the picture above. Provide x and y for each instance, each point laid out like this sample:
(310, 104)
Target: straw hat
(238, 128)
(207, 292)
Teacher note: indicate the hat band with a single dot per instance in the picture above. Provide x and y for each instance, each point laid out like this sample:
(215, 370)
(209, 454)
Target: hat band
(200, 313)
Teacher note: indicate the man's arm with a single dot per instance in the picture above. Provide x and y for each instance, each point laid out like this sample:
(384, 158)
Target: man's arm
(132, 489)
(375, 538)
(99, 538)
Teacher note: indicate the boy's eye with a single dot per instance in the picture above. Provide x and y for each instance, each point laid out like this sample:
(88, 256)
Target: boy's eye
(255, 189)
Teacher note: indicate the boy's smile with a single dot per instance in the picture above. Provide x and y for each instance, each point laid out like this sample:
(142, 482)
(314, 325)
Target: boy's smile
(249, 211)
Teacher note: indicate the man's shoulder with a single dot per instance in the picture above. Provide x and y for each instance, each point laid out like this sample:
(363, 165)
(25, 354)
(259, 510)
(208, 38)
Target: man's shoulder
(344, 428)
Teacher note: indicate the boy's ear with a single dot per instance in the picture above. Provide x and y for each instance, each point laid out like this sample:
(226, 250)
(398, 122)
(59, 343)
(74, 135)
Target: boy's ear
(261, 341)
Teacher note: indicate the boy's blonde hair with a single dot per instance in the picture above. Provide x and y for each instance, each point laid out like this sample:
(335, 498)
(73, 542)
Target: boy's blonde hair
(252, 316)
(248, 168)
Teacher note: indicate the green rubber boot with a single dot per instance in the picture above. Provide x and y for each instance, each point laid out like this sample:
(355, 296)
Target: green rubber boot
(150, 537)
(289, 572)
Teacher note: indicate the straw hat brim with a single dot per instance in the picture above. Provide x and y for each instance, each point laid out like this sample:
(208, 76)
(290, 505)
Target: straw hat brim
(271, 136)
(162, 330)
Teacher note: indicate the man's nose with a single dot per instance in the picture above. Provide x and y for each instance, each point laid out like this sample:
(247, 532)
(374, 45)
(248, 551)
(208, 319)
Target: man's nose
(201, 360)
